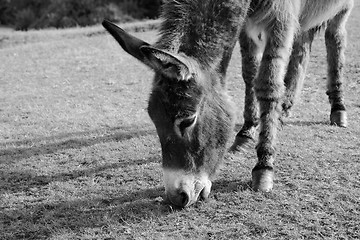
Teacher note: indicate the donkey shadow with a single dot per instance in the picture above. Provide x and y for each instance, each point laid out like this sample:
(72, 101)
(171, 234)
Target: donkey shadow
(101, 212)
(132, 207)
(17, 181)
(288, 122)
(66, 141)
(305, 123)
(74, 216)
(228, 186)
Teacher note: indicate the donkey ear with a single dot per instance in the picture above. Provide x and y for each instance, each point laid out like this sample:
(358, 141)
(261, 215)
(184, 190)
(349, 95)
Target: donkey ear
(166, 63)
(157, 59)
(129, 43)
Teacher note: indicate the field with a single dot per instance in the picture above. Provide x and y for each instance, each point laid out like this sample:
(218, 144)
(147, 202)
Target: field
(80, 158)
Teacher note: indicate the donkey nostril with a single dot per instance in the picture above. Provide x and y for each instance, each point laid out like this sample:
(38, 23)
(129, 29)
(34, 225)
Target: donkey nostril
(180, 199)
(184, 199)
(202, 195)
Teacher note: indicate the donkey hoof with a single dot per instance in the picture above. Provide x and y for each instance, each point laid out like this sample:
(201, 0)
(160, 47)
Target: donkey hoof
(242, 143)
(262, 179)
(339, 118)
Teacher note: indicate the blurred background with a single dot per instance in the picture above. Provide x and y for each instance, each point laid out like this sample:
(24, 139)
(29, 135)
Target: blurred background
(38, 14)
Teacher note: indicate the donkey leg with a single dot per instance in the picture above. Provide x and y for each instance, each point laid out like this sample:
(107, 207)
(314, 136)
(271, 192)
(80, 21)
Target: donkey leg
(251, 55)
(296, 71)
(269, 89)
(335, 39)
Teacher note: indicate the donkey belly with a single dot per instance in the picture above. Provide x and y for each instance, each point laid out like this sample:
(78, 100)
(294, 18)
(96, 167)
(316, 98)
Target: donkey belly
(317, 12)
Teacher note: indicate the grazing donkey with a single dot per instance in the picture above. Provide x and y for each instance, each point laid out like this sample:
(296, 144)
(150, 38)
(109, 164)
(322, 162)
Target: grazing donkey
(189, 104)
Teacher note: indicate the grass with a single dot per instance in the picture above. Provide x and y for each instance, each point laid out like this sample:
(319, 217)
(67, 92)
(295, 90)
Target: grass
(80, 159)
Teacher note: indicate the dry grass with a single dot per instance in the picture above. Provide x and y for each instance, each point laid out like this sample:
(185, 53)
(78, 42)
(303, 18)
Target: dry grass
(80, 159)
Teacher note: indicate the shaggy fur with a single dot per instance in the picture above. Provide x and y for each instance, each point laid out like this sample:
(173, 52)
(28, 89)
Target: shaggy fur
(205, 30)
(189, 104)
(275, 45)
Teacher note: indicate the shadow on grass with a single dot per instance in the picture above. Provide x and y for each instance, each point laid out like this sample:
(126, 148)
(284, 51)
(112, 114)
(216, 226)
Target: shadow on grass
(293, 123)
(228, 186)
(43, 220)
(17, 181)
(306, 123)
(69, 141)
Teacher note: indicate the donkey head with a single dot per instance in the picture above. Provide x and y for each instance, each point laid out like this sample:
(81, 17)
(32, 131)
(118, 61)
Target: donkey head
(191, 113)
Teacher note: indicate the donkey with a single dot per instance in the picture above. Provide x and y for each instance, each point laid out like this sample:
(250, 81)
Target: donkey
(189, 105)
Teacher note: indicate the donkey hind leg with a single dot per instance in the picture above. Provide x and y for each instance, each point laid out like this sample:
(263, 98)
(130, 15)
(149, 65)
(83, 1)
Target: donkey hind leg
(335, 39)
(269, 89)
(251, 55)
(296, 71)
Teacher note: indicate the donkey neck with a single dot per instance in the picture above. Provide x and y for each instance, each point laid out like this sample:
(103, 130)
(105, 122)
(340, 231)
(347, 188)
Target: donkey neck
(204, 30)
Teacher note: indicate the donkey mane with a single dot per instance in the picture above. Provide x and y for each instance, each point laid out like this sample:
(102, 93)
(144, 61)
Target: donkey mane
(201, 29)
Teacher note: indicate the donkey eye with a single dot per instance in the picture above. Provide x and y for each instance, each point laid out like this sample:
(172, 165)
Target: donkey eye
(182, 124)
(186, 123)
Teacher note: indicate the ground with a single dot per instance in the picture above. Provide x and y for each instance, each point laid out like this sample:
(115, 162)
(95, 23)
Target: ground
(80, 158)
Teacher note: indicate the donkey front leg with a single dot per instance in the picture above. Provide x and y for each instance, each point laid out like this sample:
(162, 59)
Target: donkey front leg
(251, 52)
(335, 39)
(269, 89)
(295, 75)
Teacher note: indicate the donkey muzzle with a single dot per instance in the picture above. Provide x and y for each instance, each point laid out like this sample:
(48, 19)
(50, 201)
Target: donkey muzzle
(183, 189)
